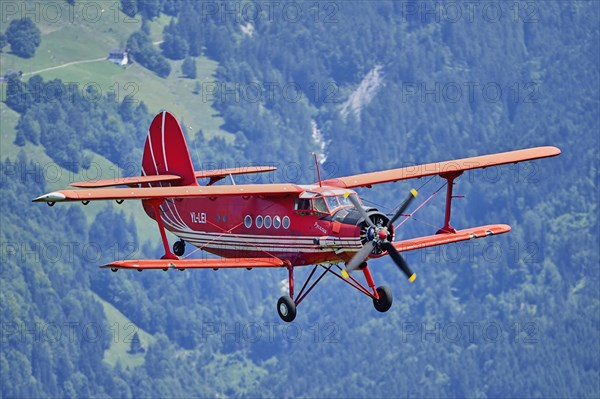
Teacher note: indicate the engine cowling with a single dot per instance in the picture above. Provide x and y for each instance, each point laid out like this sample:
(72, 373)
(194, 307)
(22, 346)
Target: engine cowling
(351, 216)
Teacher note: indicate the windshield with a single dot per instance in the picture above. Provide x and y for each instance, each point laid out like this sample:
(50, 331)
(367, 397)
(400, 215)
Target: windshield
(332, 203)
(345, 201)
(319, 205)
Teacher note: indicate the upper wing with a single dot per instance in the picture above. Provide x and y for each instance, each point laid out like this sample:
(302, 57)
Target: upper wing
(181, 264)
(167, 192)
(440, 168)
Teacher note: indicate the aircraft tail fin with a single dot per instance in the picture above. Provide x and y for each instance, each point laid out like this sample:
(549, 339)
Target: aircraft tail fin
(166, 152)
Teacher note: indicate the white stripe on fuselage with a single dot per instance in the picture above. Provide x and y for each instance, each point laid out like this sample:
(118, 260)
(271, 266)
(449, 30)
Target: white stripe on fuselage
(225, 235)
(271, 243)
(264, 248)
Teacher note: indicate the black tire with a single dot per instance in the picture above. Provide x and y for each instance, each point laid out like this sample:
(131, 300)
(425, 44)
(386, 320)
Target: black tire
(114, 269)
(384, 303)
(179, 247)
(286, 308)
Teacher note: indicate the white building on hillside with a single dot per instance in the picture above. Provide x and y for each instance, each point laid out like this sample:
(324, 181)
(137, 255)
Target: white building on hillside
(118, 56)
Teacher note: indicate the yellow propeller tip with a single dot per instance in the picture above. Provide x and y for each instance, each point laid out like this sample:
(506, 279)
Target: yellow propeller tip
(414, 192)
(346, 194)
(413, 277)
(345, 274)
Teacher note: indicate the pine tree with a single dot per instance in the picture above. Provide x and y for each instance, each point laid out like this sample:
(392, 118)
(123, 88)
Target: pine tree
(136, 345)
(188, 68)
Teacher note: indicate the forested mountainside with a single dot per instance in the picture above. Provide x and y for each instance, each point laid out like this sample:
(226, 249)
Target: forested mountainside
(368, 86)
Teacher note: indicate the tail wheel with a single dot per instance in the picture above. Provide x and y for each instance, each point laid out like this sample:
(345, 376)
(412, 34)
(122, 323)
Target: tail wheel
(179, 247)
(384, 303)
(286, 308)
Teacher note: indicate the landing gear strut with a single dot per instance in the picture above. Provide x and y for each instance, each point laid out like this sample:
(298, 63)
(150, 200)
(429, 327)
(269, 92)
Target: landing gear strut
(286, 306)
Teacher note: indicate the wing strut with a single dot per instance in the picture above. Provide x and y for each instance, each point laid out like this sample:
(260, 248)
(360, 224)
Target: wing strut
(155, 204)
(450, 185)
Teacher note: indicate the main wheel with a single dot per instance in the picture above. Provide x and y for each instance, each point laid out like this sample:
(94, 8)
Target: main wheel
(286, 308)
(179, 247)
(384, 303)
(114, 269)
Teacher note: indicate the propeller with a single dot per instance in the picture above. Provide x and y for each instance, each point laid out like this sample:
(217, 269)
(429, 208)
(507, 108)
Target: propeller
(380, 238)
(359, 208)
(403, 206)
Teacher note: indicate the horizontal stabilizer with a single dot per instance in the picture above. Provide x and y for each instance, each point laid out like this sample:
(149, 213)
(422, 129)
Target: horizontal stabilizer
(215, 175)
(126, 181)
(448, 238)
(233, 171)
(223, 263)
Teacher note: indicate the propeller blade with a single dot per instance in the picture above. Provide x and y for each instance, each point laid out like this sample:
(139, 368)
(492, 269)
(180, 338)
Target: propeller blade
(360, 256)
(399, 260)
(359, 208)
(403, 206)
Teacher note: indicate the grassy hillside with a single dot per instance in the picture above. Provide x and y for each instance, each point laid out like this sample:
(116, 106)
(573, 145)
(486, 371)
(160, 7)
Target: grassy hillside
(83, 60)
(122, 330)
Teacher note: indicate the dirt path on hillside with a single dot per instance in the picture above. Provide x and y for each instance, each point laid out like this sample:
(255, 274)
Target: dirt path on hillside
(65, 65)
(76, 62)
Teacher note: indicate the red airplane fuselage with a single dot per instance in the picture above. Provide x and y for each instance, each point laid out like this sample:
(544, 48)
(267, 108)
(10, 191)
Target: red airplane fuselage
(318, 226)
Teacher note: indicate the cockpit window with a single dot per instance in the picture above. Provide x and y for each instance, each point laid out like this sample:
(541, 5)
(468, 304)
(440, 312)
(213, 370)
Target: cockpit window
(319, 205)
(310, 203)
(332, 203)
(344, 201)
(303, 204)
(308, 206)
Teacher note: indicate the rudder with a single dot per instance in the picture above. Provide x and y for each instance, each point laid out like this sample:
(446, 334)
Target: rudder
(166, 151)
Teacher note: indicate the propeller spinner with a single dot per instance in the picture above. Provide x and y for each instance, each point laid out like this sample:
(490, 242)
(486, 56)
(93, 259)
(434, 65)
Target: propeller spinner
(381, 238)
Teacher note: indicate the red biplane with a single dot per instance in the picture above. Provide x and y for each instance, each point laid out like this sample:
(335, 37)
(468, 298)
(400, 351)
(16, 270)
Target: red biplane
(278, 225)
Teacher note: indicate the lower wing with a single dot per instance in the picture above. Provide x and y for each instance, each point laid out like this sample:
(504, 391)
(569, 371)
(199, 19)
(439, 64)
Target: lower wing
(228, 263)
(448, 238)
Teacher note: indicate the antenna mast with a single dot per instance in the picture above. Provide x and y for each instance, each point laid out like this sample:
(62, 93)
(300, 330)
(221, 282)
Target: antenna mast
(318, 169)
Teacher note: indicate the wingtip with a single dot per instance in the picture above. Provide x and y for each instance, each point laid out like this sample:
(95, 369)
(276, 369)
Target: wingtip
(50, 197)
(550, 150)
